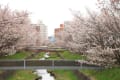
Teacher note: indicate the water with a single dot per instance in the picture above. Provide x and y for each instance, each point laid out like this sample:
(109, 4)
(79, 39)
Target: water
(43, 72)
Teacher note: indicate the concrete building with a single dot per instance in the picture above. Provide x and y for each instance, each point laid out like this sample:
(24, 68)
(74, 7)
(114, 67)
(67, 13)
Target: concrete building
(35, 38)
(43, 32)
(40, 33)
(58, 30)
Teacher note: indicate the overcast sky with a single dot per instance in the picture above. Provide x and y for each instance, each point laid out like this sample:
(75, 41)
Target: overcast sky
(51, 12)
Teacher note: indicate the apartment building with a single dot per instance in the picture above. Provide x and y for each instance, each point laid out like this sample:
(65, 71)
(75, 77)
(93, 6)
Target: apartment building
(40, 35)
(58, 30)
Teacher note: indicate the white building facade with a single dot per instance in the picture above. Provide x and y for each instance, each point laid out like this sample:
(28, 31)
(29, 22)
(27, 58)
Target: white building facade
(40, 35)
(43, 32)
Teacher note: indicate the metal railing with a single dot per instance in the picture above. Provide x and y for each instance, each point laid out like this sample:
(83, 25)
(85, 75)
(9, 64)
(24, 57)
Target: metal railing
(46, 64)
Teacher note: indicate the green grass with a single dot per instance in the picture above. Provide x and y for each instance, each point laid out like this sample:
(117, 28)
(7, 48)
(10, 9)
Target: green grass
(107, 74)
(18, 55)
(40, 55)
(22, 55)
(64, 75)
(53, 56)
(22, 75)
(28, 75)
(67, 55)
(72, 56)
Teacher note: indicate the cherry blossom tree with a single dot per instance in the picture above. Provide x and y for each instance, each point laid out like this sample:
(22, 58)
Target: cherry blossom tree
(105, 35)
(97, 35)
(13, 29)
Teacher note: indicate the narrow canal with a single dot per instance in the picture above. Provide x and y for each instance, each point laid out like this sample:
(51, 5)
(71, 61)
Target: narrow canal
(42, 73)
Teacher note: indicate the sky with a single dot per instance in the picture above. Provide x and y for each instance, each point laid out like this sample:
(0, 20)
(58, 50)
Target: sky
(51, 12)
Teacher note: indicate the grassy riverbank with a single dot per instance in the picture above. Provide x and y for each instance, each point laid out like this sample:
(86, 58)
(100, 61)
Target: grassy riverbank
(107, 74)
(40, 55)
(28, 75)
(18, 55)
(22, 74)
(72, 56)
(23, 55)
(66, 55)
(65, 74)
